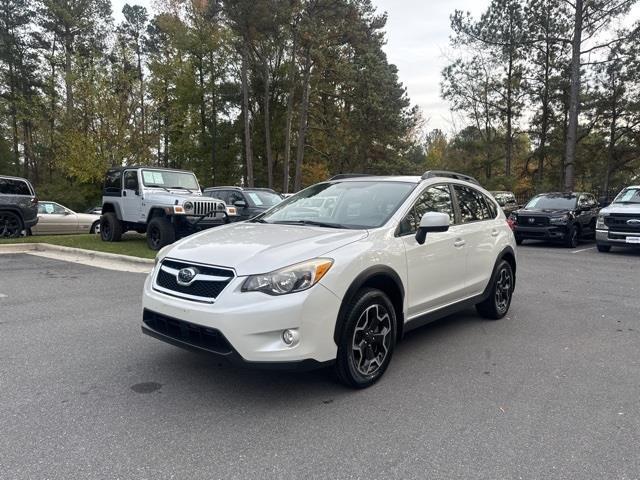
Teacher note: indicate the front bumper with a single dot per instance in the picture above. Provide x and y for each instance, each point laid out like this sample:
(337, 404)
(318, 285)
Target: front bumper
(251, 324)
(549, 233)
(615, 239)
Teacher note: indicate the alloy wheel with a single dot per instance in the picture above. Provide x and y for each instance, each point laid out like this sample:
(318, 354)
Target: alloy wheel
(9, 225)
(371, 340)
(504, 285)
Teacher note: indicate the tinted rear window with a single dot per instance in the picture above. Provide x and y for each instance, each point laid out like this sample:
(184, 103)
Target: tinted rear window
(10, 186)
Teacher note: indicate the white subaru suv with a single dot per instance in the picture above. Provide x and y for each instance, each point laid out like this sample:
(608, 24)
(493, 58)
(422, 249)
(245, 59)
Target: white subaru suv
(313, 282)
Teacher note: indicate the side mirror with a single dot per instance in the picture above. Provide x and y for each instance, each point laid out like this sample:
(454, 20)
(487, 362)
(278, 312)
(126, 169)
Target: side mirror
(431, 222)
(240, 203)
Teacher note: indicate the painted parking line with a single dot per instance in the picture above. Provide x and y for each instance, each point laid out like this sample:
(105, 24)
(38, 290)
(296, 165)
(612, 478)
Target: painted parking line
(583, 250)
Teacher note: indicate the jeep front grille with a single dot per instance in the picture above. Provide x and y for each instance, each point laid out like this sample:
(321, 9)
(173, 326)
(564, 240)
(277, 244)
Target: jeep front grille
(207, 207)
(205, 286)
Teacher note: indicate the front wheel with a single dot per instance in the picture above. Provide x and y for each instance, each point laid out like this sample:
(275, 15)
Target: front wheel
(496, 305)
(368, 337)
(572, 237)
(10, 225)
(110, 228)
(604, 248)
(160, 233)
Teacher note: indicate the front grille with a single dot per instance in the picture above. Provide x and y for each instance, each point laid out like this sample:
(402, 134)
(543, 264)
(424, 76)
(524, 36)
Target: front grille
(206, 207)
(618, 222)
(206, 287)
(524, 221)
(203, 337)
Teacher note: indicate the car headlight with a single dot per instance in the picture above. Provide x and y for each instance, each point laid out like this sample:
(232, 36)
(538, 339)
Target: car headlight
(559, 220)
(188, 206)
(295, 278)
(600, 223)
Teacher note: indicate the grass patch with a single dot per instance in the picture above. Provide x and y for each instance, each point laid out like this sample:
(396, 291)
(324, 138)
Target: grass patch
(131, 244)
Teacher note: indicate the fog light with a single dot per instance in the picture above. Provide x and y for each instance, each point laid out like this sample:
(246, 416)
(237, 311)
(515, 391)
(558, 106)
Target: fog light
(290, 337)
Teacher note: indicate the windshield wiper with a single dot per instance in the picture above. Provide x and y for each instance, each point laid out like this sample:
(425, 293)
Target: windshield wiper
(159, 186)
(258, 220)
(310, 223)
(182, 188)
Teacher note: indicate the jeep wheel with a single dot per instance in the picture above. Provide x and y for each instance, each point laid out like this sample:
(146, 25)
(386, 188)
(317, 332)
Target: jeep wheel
(160, 232)
(604, 248)
(572, 237)
(110, 228)
(10, 225)
(367, 340)
(497, 303)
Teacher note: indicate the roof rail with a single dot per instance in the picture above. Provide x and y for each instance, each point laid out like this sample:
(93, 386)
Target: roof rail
(342, 176)
(445, 173)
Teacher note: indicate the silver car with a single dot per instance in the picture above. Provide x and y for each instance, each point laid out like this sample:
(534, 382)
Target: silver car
(54, 218)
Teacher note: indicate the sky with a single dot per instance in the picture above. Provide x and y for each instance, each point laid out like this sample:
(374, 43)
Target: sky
(417, 43)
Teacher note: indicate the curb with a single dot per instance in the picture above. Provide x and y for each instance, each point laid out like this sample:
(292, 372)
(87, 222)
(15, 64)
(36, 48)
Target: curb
(89, 254)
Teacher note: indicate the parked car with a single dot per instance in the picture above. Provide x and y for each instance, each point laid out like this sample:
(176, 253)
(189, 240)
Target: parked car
(284, 291)
(619, 223)
(163, 203)
(53, 218)
(18, 206)
(248, 202)
(507, 201)
(559, 217)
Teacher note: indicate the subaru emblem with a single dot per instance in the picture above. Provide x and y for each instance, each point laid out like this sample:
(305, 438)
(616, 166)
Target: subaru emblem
(186, 276)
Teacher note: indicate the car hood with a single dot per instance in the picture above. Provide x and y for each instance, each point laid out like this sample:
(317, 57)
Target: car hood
(170, 198)
(622, 208)
(543, 211)
(252, 248)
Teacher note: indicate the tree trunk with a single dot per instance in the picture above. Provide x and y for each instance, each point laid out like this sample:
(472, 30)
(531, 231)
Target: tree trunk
(287, 132)
(143, 127)
(302, 124)
(245, 115)
(509, 133)
(612, 137)
(574, 99)
(14, 123)
(214, 120)
(267, 125)
(68, 46)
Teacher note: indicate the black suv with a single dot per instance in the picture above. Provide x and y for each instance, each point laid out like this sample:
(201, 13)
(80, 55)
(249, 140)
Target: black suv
(18, 206)
(563, 217)
(249, 202)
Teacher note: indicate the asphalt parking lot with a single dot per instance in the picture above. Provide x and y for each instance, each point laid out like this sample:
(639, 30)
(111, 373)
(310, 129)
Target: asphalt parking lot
(552, 391)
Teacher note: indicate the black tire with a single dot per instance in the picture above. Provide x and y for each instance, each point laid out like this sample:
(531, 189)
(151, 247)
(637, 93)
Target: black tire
(370, 322)
(519, 240)
(160, 232)
(110, 228)
(603, 248)
(573, 237)
(95, 225)
(11, 225)
(496, 305)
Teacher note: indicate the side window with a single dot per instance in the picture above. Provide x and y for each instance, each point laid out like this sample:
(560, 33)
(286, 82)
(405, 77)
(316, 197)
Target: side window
(493, 209)
(9, 186)
(433, 199)
(220, 195)
(44, 208)
(235, 197)
(113, 182)
(58, 209)
(473, 208)
(131, 180)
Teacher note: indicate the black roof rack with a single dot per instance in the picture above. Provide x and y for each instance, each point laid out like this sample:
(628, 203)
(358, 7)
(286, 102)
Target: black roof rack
(447, 174)
(342, 176)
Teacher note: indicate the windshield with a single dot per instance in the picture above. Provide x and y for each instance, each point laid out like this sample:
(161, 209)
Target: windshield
(169, 179)
(361, 204)
(261, 198)
(628, 195)
(553, 201)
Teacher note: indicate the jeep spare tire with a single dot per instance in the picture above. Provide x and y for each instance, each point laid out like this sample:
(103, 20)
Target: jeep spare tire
(110, 228)
(160, 233)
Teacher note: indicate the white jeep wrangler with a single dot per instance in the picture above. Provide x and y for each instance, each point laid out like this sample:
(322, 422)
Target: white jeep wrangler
(163, 203)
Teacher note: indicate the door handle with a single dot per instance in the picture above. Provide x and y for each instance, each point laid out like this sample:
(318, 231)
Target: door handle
(494, 232)
(459, 243)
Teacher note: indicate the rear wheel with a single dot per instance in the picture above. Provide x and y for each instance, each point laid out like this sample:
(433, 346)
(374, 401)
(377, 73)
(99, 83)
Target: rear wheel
(366, 344)
(496, 305)
(160, 233)
(110, 228)
(603, 248)
(10, 225)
